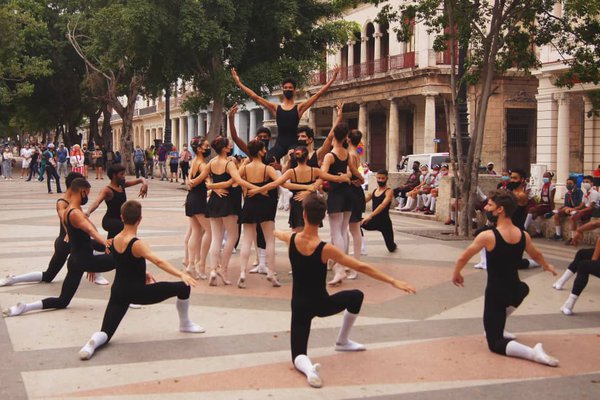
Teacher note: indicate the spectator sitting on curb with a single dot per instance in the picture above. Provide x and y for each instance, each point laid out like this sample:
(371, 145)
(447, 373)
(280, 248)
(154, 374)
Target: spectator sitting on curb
(412, 182)
(583, 212)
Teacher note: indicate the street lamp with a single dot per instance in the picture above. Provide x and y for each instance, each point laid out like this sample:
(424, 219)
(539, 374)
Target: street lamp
(167, 137)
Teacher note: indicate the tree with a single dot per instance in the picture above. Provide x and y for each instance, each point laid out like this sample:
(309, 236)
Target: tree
(499, 35)
(264, 40)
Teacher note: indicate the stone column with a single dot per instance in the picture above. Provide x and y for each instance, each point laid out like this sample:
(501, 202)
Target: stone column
(363, 116)
(191, 124)
(201, 124)
(377, 36)
(429, 123)
(334, 115)
(350, 53)
(363, 49)
(562, 144)
(590, 157)
(183, 128)
(208, 119)
(547, 110)
(312, 119)
(253, 127)
(393, 139)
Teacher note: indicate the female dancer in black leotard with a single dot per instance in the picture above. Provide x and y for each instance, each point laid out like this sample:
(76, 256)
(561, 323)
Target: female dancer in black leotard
(287, 114)
(379, 219)
(81, 231)
(358, 198)
(504, 291)
(197, 212)
(339, 196)
(134, 285)
(61, 245)
(308, 257)
(223, 210)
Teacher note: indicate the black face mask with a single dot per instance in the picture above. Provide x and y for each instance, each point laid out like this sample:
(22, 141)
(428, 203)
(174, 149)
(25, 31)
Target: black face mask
(288, 94)
(266, 143)
(121, 182)
(491, 217)
(302, 142)
(512, 185)
(206, 153)
(84, 200)
(382, 183)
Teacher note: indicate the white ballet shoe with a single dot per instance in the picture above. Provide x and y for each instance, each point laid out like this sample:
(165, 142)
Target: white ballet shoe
(212, 279)
(480, 266)
(100, 280)
(259, 269)
(191, 271)
(8, 281)
(273, 279)
(566, 310)
(350, 346)
(351, 275)
(556, 285)
(14, 311)
(541, 357)
(337, 279)
(135, 306)
(87, 351)
(191, 327)
(314, 378)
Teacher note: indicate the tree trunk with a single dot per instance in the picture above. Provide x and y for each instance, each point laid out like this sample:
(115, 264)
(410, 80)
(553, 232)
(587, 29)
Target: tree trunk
(126, 145)
(106, 129)
(217, 118)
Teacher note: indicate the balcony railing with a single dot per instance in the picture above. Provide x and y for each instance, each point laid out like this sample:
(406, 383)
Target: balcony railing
(148, 110)
(382, 65)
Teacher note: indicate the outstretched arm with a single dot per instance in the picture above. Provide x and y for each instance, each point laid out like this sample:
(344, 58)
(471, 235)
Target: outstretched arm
(143, 190)
(479, 243)
(141, 249)
(328, 143)
(283, 236)
(234, 135)
(330, 252)
(537, 255)
(103, 195)
(265, 103)
(308, 103)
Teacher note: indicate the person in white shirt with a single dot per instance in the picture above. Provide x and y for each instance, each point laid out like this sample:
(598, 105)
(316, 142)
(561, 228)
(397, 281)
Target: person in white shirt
(26, 154)
(583, 212)
(7, 158)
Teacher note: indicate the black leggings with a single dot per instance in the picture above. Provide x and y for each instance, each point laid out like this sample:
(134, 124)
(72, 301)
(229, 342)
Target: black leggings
(302, 315)
(61, 253)
(582, 255)
(401, 192)
(75, 269)
(112, 225)
(586, 268)
(140, 169)
(278, 150)
(494, 315)
(51, 173)
(383, 225)
(139, 294)
(185, 168)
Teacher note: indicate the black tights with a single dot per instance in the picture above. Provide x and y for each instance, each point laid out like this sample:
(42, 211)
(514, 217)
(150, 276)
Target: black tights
(112, 225)
(75, 269)
(383, 225)
(586, 268)
(51, 173)
(139, 294)
(61, 253)
(582, 255)
(302, 315)
(494, 316)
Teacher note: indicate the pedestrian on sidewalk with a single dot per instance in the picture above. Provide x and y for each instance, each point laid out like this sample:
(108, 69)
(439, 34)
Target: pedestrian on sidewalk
(50, 157)
(62, 158)
(7, 163)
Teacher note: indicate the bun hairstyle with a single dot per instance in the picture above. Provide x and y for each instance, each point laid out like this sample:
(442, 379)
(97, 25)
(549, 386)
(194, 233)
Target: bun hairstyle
(355, 136)
(254, 147)
(303, 156)
(196, 142)
(219, 143)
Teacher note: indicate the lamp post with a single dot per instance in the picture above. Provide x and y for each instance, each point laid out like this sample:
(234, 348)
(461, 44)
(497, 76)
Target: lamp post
(167, 138)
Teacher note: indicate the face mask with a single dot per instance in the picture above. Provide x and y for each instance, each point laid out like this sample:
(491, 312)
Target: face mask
(266, 143)
(381, 183)
(491, 217)
(424, 173)
(512, 185)
(121, 182)
(415, 168)
(302, 142)
(206, 153)
(505, 178)
(586, 186)
(490, 168)
(570, 187)
(84, 200)
(288, 94)
(546, 180)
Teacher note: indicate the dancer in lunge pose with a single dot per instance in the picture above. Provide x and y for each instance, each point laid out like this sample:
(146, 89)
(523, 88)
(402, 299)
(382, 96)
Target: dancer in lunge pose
(134, 285)
(308, 257)
(82, 259)
(379, 219)
(61, 245)
(114, 195)
(287, 114)
(584, 268)
(504, 291)
(197, 212)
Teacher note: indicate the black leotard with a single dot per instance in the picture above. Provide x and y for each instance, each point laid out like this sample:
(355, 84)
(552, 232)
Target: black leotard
(287, 131)
(358, 202)
(111, 222)
(61, 252)
(195, 202)
(339, 197)
(313, 161)
(258, 208)
(219, 207)
(382, 222)
(296, 219)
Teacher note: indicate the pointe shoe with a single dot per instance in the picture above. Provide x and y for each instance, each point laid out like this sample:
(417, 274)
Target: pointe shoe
(259, 269)
(350, 346)
(273, 279)
(191, 327)
(212, 279)
(541, 357)
(191, 271)
(8, 281)
(337, 279)
(241, 283)
(221, 274)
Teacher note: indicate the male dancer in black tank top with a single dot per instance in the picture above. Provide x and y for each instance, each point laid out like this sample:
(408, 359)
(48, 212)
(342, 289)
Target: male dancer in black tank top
(81, 231)
(61, 245)
(379, 219)
(308, 257)
(134, 285)
(504, 291)
(287, 114)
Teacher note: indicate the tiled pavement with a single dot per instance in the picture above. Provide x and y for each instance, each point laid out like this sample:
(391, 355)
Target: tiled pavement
(426, 346)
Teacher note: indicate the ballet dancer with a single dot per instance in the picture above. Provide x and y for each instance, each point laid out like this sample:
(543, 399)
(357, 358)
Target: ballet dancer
(379, 219)
(134, 285)
(287, 115)
(308, 257)
(358, 199)
(504, 291)
(584, 268)
(80, 231)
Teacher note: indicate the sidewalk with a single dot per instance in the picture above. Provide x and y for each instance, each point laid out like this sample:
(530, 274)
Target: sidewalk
(426, 346)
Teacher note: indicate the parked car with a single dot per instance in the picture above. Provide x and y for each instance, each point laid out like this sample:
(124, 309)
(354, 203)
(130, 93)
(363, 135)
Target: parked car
(426, 158)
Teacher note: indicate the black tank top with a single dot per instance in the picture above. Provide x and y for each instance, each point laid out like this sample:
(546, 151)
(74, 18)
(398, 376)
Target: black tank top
(503, 263)
(336, 168)
(62, 232)
(80, 241)
(377, 200)
(201, 188)
(313, 161)
(217, 178)
(130, 270)
(287, 125)
(113, 206)
(310, 182)
(309, 274)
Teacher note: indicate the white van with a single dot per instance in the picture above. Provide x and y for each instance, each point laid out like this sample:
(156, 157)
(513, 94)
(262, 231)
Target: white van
(427, 158)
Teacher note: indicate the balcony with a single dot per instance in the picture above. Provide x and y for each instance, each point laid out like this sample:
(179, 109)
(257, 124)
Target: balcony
(147, 110)
(370, 68)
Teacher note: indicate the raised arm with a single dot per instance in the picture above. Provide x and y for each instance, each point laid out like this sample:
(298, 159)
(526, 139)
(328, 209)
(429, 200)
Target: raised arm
(308, 103)
(328, 143)
(103, 195)
(330, 252)
(265, 103)
(537, 255)
(139, 181)
(141, 249)
(234, 135)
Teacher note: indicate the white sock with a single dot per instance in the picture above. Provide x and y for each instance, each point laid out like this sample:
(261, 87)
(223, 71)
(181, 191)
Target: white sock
(22, 308)
(262, 257)
(533, 263)
(528, 221)
(558, 230)
(401, 201)
(537, 354)
(432, 203)
(567, 308)
(560, 283)
(536, 224)
(28, 277)
(185, 324)
(304, 365)
(363, 248)
(453, 215)
(97, 340)
(343, 343)
(410, 202)
(426, 200)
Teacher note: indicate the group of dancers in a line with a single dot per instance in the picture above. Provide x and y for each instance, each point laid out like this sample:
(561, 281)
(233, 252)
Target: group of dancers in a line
(215, 216)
